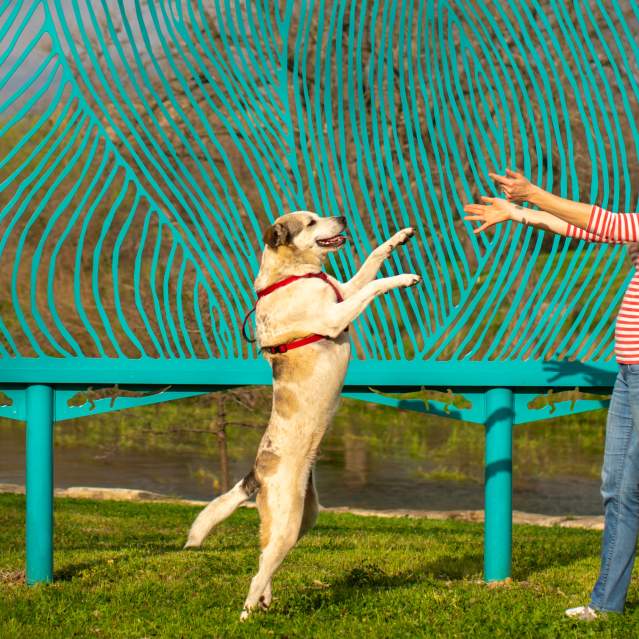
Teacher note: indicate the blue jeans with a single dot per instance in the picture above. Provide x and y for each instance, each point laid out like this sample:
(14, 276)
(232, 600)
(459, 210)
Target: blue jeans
(620, 492)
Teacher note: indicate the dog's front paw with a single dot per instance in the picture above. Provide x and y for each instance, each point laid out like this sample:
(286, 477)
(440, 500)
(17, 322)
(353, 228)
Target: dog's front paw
(401, 237)
(409, 279)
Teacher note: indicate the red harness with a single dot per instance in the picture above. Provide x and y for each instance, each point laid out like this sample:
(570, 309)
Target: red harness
(283, 348)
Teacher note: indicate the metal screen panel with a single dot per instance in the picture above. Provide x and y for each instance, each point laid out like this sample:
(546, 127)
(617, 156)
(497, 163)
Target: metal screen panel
(145, 146)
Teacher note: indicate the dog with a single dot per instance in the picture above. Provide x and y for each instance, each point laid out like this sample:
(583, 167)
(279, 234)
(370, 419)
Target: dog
(302, 317)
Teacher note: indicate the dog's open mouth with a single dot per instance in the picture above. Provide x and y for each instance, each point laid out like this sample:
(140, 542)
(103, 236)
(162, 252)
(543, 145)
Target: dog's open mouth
(332, 242)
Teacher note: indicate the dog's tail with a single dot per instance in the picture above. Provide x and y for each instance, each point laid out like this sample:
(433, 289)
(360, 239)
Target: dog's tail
(221, 508)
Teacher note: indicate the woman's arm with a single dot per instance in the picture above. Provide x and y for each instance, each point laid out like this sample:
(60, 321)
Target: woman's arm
(497, 210)
(519, 189)
(612, 227)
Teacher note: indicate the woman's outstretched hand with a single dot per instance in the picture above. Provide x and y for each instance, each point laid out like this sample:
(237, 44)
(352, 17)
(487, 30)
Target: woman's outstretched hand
(494, 211)
(515, 186)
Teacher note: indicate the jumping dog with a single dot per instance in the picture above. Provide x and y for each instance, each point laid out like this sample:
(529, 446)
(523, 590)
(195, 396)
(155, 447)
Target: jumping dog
(302, 318)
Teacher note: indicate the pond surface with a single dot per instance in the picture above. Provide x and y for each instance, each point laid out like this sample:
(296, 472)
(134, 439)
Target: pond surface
(424, 463)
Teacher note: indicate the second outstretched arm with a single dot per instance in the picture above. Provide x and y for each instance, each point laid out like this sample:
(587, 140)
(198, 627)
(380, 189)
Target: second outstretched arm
(496, 210)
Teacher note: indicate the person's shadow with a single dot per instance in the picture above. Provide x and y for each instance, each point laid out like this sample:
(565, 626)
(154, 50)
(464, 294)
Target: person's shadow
(585, 375)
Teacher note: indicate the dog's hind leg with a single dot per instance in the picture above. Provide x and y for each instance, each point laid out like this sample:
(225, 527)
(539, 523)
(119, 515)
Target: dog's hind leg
(281, 507)
(221, 508)
(311, 506)
(267, 597)
(309, 516)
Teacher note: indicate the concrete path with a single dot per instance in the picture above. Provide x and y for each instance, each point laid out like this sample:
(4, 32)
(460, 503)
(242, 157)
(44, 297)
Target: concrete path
(130, 494)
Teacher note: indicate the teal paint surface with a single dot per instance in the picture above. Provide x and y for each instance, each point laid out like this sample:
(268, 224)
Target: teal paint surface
(85, 402)
(145, 147)
(39, 484)
(498, 475)
(361, 373)
(159, 139)
(477, 413)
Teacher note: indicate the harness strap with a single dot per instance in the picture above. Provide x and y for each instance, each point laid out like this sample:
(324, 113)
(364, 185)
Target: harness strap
(283, 348)
(244, 335)
(289, 280)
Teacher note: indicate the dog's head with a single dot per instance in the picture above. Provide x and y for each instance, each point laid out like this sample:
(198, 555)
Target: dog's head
(304, 231)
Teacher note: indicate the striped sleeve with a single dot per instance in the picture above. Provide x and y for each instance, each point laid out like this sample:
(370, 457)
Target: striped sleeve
(607, 227)
(621, 227)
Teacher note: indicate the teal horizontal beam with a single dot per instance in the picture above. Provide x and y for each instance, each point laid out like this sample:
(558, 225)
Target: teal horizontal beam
(361, 375)
(63, 410)
(525, 415)
(12, 403)
(142, 395)
(476, 412)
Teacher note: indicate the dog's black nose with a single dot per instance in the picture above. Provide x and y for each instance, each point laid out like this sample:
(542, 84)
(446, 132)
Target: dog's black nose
(342, 219)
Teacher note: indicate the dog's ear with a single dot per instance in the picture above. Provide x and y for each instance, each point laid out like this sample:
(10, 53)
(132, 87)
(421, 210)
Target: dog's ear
(277, 235)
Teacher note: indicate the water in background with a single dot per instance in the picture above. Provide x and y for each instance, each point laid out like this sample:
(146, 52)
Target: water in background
(373, 457)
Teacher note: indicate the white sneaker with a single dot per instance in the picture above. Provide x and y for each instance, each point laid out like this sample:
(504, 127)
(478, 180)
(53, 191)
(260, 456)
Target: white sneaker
(583, 613)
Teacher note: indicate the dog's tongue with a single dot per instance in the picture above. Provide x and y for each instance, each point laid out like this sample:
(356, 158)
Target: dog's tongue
(332, 241)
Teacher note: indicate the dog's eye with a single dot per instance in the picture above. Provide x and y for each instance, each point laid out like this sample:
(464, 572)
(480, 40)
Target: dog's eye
(312, 222)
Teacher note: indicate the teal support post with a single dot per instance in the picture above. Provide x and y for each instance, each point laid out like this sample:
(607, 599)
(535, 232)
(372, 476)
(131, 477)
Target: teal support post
(39, 480)
(499, 482)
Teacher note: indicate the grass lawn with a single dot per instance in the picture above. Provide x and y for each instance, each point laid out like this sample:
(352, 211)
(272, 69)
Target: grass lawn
(120, 572)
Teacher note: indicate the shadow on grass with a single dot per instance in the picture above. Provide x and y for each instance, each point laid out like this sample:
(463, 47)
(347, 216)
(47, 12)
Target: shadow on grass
(105, 556)
(533, 556)
(68, 573)
(369, 577)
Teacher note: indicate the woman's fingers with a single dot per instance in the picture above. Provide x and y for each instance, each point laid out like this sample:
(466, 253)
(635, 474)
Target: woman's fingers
(514, 174)
(482, 228)
(502, 179)
(475, 208)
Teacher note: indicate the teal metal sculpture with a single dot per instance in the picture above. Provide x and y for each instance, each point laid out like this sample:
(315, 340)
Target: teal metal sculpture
(145, 145)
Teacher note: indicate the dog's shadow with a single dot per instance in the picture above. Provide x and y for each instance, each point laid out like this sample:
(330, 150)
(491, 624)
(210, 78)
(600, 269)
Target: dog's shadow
(369, 577)
(465, 568)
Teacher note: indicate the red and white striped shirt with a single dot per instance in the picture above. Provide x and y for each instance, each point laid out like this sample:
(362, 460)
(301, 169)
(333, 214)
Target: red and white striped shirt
(619, 228)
